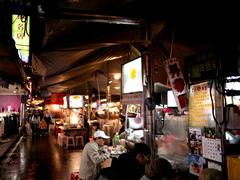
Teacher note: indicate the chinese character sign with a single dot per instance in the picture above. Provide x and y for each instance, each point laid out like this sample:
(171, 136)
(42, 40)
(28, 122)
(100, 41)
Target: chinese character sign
(55, 98)
(177, 82)
(200, 105)
(21, 34)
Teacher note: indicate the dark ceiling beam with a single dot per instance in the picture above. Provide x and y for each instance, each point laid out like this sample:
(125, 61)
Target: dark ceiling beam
(70, 83)
(96, 18)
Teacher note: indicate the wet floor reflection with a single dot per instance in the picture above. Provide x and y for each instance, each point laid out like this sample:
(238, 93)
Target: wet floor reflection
(40, 158)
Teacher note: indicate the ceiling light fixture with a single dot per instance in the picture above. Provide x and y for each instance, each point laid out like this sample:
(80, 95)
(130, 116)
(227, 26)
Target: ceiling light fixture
(112, 58)
(117, 76)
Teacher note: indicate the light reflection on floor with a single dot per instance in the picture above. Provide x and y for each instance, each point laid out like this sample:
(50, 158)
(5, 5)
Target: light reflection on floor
(40, 158)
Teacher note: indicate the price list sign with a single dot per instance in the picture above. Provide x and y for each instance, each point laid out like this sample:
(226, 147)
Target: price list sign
(200, 105)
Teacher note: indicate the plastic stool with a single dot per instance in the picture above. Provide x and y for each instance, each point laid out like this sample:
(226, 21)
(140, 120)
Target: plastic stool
(61, 140)
(70, 141)
(79, 141)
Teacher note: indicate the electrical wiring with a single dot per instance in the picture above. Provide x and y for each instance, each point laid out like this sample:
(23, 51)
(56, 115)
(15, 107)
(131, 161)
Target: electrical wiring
(213, 107)
(221, 89)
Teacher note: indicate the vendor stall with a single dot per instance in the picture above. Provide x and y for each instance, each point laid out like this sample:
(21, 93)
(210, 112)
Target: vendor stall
(133, 100)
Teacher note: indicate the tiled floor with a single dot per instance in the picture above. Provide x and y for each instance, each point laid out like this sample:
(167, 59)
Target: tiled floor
(6, 144)
(39, 157)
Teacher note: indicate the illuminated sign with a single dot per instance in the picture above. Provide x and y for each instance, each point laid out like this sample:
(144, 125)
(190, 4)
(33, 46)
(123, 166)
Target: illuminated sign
(76, 101)
(132, 76)
(21, 35)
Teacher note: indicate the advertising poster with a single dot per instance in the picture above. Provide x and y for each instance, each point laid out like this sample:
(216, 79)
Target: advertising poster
(195, 164)
(195, 140)
(135, 121)
(200, 105)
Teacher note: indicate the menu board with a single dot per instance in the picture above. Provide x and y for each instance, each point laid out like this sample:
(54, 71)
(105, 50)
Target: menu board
(76, 101)
(135, 120)
(200, 105)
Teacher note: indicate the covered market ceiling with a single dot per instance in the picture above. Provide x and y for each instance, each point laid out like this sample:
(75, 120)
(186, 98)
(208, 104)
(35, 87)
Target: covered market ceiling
(78, 46)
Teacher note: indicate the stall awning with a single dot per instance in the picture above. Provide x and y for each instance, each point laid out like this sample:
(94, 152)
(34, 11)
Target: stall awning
(11, 67)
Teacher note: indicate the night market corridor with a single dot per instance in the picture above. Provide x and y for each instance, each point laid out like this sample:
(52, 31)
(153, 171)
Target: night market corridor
(40, 158)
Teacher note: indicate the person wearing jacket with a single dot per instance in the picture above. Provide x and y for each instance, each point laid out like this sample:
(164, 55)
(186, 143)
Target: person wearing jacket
(92, 156)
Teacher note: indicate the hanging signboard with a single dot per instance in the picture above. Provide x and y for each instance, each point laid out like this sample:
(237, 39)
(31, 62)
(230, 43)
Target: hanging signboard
(21, 35)
(202, 66)
(177, 82)
(55, 98)
(76, 101)
(132, 76)
(200, 105)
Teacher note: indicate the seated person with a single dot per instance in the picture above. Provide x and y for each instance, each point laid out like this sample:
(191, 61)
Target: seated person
(130, 165)
(158, 169)
(122, 120)
(92, 156)
(94, 114)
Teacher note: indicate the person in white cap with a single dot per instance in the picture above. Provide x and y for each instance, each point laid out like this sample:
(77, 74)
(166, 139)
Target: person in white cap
(92, 156)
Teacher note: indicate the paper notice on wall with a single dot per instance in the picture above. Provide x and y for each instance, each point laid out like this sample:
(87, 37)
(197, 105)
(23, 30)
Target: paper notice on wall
(200, 105)
(195, 164)
(214, 165)
(212, 149)
(176, 78)
(195, 140)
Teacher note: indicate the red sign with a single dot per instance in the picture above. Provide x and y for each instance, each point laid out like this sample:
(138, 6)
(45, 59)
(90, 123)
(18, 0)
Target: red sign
(177, 82)
(55, 98)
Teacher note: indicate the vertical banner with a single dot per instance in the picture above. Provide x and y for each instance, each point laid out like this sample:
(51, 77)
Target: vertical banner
(177, 82)
(21, 35)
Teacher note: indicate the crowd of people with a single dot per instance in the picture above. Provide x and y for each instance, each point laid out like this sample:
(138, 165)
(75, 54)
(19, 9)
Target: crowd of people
(37, 123)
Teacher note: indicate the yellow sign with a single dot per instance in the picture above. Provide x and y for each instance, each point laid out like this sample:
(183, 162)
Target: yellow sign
(133, 73)
(21, 35)
(200, 105)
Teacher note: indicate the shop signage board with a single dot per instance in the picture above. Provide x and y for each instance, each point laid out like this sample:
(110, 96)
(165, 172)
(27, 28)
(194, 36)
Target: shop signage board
(55, 98)
(76, 101)
(134, 98)
(202, 66)
(176, 78)
(21, 35)
(200, 105)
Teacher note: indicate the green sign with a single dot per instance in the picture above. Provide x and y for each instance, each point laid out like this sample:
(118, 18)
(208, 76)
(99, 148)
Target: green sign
(21, 35)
